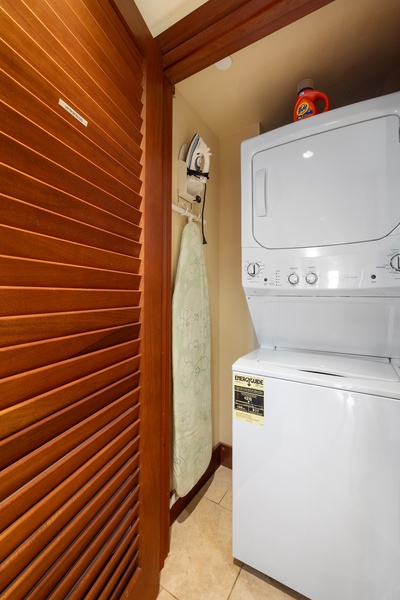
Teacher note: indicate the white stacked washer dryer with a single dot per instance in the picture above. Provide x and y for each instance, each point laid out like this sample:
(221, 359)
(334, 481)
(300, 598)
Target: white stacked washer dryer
(316, 427)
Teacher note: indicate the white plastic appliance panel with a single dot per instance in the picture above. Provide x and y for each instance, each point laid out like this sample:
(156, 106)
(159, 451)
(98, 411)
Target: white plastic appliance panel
(316, 491)
(335, 187)
(371, 269)
(352, 325)
(342, 365)
(342, 174)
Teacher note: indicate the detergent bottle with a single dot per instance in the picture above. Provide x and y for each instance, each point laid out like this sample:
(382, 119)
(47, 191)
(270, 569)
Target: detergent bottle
(306, 97)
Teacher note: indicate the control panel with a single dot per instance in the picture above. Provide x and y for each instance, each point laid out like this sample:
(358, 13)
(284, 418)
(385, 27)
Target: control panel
(284, 273)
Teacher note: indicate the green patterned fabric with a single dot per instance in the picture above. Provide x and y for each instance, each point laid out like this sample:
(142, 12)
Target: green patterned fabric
(192, 439)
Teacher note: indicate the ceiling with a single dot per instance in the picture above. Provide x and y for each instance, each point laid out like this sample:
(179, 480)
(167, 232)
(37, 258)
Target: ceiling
(350, 48)
(161, 14)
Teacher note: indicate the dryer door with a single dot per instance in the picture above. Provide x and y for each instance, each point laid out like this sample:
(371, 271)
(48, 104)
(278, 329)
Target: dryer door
(336, 187)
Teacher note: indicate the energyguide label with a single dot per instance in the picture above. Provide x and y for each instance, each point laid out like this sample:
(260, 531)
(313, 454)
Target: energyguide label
(248, 394)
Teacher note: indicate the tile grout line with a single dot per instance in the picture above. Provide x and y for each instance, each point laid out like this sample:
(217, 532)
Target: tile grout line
(168, 592)
(219, 504)
(234, 583)
(224, 497)
(240, 570)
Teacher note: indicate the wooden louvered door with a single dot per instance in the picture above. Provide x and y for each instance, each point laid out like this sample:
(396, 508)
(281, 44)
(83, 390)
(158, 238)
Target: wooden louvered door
(80, 494)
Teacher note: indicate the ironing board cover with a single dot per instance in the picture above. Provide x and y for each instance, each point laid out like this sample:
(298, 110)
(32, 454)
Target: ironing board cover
(192, 438)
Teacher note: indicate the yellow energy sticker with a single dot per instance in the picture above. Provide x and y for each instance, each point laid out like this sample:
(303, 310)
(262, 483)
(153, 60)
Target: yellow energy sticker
(248, 394)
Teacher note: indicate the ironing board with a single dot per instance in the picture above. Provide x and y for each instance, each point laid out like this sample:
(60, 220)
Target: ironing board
(192, 440)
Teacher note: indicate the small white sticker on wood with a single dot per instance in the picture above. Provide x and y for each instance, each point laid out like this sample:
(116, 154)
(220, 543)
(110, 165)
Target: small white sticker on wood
(73, 112)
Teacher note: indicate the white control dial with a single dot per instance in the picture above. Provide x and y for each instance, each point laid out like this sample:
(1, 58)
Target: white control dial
(395, 262)
(311, 278)
(293, 278)
(253, 269)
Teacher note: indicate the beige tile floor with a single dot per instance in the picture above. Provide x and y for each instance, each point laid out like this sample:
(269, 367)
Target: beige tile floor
(200, 564)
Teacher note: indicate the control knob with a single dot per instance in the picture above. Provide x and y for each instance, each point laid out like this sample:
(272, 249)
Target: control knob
(293, 279)
(253, 269)
(311, 278)
(395, 262)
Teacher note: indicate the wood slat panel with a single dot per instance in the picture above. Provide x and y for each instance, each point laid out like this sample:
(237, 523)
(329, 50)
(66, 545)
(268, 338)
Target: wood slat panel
(100, 528)
(39, 381)
(28, 273)
(47, 518)
(43, 483)
(23, 414)
(24, 244)
(22, 215)
(90, 59)
(50, 517)
(84, 581)
(121, 559)
(23, 585)
(107, 558)
(16, 446)
(34, 164)
(31, 135)
(126, 577)
(34, 110)
(18, 301)
(65, 57)
(29, 356)
(126, 57)
(21, 472)
(125, 81)
(37, 194)
(23, 71)
(31, 328)
(71, 299)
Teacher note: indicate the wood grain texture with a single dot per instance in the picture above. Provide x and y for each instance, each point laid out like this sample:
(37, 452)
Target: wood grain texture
(220, 28)
(16, 447)
(81, 364)
(166, 403)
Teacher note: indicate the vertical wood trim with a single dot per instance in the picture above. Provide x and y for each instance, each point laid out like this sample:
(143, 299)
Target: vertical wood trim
(167, 327)
(156, 361)
(152, 361)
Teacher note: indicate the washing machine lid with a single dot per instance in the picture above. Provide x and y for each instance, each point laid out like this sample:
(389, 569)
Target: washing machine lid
(338, 186)
(330, 364)
(372, 376)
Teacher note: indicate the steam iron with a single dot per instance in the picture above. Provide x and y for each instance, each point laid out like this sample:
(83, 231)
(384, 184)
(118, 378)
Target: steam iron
(193, 168)
(198, 159)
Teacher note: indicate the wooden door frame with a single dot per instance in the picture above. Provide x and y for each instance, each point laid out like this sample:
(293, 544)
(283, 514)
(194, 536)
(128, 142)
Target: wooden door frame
(219, 28)
(156, 359)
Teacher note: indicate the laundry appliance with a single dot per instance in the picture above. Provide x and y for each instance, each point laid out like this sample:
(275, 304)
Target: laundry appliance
(316, 408)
